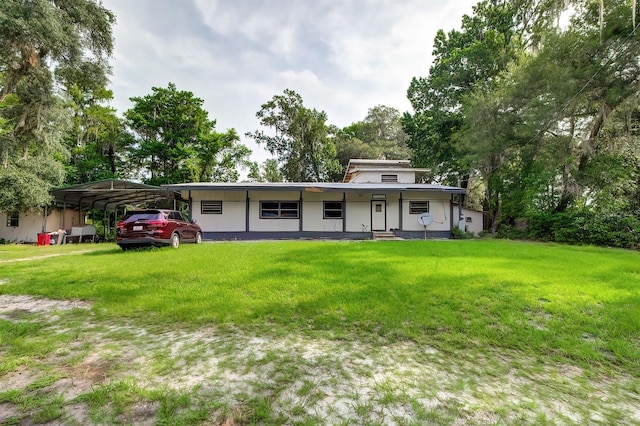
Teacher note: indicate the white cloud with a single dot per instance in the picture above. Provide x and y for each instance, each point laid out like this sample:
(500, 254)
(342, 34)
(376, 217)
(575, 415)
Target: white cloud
(342, 56)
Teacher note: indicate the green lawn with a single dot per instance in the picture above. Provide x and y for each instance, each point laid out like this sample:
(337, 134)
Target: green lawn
(318, 333)
(551, 301)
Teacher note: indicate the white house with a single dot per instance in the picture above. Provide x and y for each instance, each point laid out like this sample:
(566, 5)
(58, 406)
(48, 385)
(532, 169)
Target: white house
(375, 196)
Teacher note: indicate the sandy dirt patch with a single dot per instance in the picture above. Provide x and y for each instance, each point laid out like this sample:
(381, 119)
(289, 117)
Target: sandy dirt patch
(301, 378)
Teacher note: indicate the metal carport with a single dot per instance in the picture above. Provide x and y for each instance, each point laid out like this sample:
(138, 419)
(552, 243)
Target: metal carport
(112, 194)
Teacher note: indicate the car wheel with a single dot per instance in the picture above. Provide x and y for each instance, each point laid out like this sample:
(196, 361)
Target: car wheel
(175, 240)
(198, 237)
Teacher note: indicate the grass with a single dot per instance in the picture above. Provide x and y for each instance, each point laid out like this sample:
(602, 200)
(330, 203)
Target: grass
(574, 302)
(470, 300)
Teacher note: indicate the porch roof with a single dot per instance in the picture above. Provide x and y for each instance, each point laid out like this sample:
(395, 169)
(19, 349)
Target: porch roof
(315, 187)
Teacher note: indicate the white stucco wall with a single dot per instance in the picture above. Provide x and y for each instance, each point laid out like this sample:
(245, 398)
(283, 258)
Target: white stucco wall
(358, 217)
(376, 176)
(439, 208)
(30, 224)
(476, 218)
(232, 218)
(313, 212)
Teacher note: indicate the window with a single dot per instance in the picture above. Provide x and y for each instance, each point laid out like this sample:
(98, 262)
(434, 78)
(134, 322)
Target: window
(175, 216)
(279, 209)
(211, 207)
(13, 219)
(333, 209)
(418, 207)
(389, 178)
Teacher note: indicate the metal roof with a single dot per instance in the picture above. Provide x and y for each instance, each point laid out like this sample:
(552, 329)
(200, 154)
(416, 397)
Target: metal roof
(112, 193)
(314, 187)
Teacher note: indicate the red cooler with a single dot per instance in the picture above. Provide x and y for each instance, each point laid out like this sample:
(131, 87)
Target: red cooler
(44, 239)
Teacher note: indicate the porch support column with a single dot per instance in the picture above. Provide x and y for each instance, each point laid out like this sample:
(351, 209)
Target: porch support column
(344, 212)
(300, 225)
(400, 212)
(246, 214)
(451, 215)
(459, 210)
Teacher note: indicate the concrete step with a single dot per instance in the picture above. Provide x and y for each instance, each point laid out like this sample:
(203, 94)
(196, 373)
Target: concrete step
(384, 235)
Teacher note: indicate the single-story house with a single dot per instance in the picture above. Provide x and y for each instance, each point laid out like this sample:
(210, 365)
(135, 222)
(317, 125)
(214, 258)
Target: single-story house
(375, 198)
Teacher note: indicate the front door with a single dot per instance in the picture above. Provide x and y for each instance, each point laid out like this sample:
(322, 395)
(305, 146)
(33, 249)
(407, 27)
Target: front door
(378, 215)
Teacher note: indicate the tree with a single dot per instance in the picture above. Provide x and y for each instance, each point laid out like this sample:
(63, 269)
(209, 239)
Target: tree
(96, 140)
(44, 43)
(301, 142)
(379, 136)
(268, 171)
(382, 130)
(176, 142)
(464, 61)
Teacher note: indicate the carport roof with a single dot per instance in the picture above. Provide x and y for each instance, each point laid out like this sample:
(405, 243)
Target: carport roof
(111, 193)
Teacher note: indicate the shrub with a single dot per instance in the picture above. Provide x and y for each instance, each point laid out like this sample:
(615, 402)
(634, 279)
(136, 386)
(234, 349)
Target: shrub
(584, 226)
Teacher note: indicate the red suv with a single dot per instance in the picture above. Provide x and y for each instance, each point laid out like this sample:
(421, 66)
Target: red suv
(156, 228)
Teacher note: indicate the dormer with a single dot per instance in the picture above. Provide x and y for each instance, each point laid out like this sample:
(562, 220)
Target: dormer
(380, 171)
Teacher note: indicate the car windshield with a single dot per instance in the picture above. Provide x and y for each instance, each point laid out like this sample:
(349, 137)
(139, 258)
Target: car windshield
(133, 216)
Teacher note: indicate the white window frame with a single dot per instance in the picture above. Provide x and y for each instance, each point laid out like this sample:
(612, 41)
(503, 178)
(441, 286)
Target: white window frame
(211, 207)
(418, 207)
(280, 212)
(13, 219)
(386, 178)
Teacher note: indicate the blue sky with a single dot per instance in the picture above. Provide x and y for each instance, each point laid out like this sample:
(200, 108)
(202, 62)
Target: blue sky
(341, 56)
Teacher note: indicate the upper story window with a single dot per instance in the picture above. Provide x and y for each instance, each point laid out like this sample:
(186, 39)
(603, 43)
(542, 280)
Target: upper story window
(389, 178)
(279, 209)
(418, 207)
(13, 219)
(211, 207)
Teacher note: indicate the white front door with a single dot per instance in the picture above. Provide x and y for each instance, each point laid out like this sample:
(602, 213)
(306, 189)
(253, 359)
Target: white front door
(378, 215)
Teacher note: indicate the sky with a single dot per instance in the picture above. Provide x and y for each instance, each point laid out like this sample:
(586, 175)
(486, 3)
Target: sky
(342, 56)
